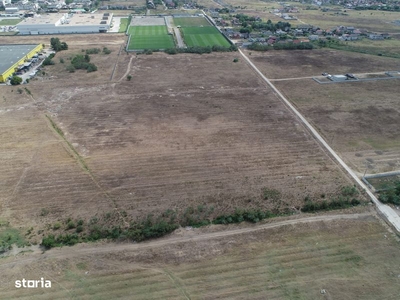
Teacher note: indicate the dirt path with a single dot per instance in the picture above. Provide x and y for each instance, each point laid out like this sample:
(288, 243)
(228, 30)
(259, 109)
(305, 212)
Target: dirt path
(87, 249)
(127, 70)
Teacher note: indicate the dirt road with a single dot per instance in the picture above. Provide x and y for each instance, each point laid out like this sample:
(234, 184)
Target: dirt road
(79, 250)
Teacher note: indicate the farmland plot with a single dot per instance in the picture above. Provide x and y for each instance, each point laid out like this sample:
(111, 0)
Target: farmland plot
(195, 138)
(359, 119)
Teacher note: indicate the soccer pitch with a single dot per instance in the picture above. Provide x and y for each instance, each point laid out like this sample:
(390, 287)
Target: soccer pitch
(191, 21)
(203, 36)
(150, 37)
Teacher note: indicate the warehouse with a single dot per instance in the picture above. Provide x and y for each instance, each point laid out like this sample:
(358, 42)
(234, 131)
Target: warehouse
(66, 23)
(13, 56)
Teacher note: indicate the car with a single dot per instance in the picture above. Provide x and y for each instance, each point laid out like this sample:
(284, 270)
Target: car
(350, 75)
(324, 74)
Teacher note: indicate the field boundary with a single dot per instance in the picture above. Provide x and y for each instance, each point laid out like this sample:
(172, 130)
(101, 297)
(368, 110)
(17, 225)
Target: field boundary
(380, 175)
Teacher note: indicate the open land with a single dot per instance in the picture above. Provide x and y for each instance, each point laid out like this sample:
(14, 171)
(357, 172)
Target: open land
(359, 119)
(215, 137)
(149, 37)
(346, 258)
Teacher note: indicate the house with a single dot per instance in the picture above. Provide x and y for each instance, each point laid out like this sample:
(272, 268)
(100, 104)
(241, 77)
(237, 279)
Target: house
(374, 36)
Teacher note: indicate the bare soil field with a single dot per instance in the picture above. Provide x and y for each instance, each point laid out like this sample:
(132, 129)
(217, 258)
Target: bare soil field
(185, 131)
(336, 259)
(171, 138)
(359, 119)
(300, 63)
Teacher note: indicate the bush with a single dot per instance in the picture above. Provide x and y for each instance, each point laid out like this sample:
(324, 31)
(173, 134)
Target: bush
(48, 62)
(91, 68)
(16, 80)
(129, 77)
(106, 51)
(235, 60)
(56, 226)
(70, 68)
(70, 224)
(93, 51)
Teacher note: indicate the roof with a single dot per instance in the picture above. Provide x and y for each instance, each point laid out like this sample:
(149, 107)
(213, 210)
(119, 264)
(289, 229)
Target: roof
(10, 54)
(66, 19)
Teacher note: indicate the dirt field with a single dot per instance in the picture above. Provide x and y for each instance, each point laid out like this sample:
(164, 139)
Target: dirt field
(345, 259)
(360, 119)
(168, 139)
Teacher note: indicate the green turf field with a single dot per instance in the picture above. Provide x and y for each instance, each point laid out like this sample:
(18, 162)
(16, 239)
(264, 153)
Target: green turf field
(9, 22)
(203, 36)
(123, 25)
(191, 21)
(149, 37)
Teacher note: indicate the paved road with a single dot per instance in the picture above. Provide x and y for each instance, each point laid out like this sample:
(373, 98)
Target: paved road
(386, 210)
(179, 39)
(192, 236)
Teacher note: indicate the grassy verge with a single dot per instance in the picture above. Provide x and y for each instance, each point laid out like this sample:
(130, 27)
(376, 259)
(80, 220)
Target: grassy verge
(10, 236)
(124, 24)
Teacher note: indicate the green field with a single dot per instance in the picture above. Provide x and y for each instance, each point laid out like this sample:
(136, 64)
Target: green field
(124, 24)
(191, 21)
(8, 22)
(203, 36)
(149, 37)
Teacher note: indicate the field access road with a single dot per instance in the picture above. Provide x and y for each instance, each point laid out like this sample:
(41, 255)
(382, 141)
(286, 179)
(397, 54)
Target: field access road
(390, 215)
(179, 39)
(189, 236)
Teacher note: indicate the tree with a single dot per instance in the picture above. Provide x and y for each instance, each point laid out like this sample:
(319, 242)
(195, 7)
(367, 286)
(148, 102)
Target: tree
(15, 80)
(129, 77)
(57, 45)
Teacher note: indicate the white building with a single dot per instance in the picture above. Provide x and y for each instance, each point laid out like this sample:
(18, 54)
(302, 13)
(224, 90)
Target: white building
(66, 23)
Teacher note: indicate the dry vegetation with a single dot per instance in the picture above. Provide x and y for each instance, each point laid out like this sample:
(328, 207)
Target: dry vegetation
(187, 130)
(349, 259)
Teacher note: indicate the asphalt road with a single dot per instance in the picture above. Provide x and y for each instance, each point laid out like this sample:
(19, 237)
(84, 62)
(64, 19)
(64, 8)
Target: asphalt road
(390, 215)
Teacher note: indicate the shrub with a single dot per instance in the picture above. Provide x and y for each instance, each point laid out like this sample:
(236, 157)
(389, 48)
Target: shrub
(93, 51)
(70, 224)
(91, 68)
(70, 68)
(48, 62)
(129, 77)
(16, 80)
(56, 226)
(106, 50)
(235, 60)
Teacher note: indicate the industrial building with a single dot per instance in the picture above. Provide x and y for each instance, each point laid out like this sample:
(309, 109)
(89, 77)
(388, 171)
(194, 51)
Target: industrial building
(66, 23)
(14, 57)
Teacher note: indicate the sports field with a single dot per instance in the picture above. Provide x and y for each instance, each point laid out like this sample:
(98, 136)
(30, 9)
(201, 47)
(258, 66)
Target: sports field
(191, 21)
(203, 36)
(149, 37)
